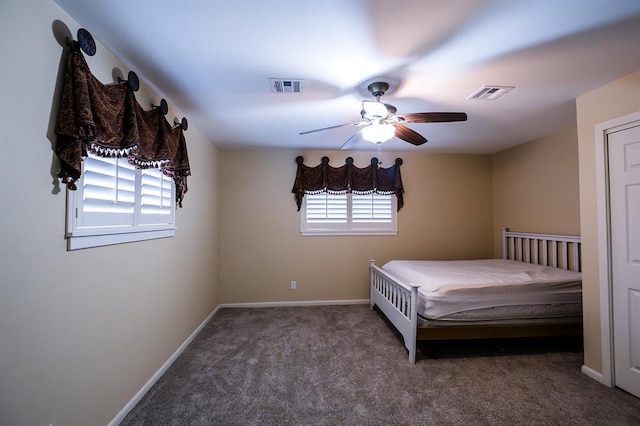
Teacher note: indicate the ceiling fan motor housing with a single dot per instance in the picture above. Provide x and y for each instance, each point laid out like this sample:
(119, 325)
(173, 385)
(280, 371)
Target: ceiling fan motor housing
(378, 88)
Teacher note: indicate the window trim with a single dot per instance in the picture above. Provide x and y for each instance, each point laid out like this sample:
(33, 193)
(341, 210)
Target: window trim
(348, 228)
(96, 236)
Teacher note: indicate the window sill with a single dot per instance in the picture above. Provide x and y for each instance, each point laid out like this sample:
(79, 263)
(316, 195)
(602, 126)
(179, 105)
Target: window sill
(89, 241)
(349, 232)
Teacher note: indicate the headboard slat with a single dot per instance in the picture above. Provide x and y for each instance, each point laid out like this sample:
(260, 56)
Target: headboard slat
(560, 251)
(565, 255)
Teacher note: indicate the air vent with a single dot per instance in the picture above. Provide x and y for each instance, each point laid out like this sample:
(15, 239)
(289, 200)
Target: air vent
(285, 85)
(490, 93)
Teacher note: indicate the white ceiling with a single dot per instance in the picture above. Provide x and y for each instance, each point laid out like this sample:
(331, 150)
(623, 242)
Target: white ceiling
(213, 61)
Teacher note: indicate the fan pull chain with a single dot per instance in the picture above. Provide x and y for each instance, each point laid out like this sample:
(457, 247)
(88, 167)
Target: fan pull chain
(379, 151)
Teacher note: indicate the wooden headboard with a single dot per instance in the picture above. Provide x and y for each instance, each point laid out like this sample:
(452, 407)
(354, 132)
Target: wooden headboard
(560, 251)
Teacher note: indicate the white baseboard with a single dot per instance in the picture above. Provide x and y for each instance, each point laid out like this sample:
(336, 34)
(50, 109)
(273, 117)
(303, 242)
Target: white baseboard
(138, 396)
(294, 304)
(593, 374)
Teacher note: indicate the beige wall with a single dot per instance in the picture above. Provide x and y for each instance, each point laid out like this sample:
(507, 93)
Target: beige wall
(613, 100)
(536, 188)
(81, 332)
(447, 215)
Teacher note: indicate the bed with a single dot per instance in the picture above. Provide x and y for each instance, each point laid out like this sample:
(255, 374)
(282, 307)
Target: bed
(534, 290)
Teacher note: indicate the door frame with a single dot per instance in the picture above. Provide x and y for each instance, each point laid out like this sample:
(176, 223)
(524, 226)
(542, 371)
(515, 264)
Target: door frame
(602, 131)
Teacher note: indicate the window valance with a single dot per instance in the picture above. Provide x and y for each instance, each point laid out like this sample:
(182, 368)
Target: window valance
(107, 121)
(347, 178)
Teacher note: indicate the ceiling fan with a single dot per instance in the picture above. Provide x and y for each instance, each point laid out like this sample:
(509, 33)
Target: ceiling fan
(381, 123)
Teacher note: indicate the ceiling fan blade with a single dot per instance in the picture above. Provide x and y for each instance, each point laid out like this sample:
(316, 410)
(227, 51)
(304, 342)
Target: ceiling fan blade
(330, 127)
(432, 117)
(406, 134)
(352, 141)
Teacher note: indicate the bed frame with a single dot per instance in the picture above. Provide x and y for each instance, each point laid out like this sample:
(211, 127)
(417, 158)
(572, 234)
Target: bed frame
(398, 300)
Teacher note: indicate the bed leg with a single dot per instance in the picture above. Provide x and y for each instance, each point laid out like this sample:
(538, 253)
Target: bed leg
(412, 347)
(371, 281)
(413, 306)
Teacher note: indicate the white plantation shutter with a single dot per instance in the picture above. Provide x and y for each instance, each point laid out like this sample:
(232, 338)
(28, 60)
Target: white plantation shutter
(345, 214)
(326, 208)
(372, 208)
(156, 197)
(115, 202)
(108, 193)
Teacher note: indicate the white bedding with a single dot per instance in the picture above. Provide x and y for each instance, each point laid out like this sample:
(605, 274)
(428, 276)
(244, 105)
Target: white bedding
(449, 287)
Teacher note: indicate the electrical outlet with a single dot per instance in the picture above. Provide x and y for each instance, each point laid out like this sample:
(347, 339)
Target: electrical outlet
(293, 285)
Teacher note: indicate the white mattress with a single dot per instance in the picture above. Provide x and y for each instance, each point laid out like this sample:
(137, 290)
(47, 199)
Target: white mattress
(456, 286)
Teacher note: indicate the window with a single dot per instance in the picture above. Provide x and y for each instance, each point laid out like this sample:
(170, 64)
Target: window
(348, 214)
(117, 203)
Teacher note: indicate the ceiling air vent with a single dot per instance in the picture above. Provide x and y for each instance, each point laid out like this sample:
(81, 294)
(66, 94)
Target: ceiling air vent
(285, 85)
(490, 93)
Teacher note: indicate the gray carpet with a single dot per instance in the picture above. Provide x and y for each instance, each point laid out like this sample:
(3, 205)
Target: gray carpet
(344, 365)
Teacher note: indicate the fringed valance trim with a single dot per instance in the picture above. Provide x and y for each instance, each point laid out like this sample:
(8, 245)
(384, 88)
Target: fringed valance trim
(148, 164)
(102, 151)
(107, 120)
(170, 172)
(347, 191)
(348, 179)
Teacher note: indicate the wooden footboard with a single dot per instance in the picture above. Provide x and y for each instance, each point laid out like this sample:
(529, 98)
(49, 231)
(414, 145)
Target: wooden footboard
(398, 302)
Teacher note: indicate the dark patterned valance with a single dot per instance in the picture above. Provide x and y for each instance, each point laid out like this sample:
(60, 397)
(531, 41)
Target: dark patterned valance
(107, 120)
(348, 178)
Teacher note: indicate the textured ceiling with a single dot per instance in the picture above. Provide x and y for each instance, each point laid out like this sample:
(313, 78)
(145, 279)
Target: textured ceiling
(213, 60)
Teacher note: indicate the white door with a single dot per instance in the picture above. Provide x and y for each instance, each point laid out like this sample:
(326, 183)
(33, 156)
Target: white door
(624, 190)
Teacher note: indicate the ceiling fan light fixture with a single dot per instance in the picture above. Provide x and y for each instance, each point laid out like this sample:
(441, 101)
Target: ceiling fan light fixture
(378, 133)
(374, 109)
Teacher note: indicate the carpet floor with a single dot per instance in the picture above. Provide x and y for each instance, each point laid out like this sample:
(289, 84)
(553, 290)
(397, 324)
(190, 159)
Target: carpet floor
(344, 365)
